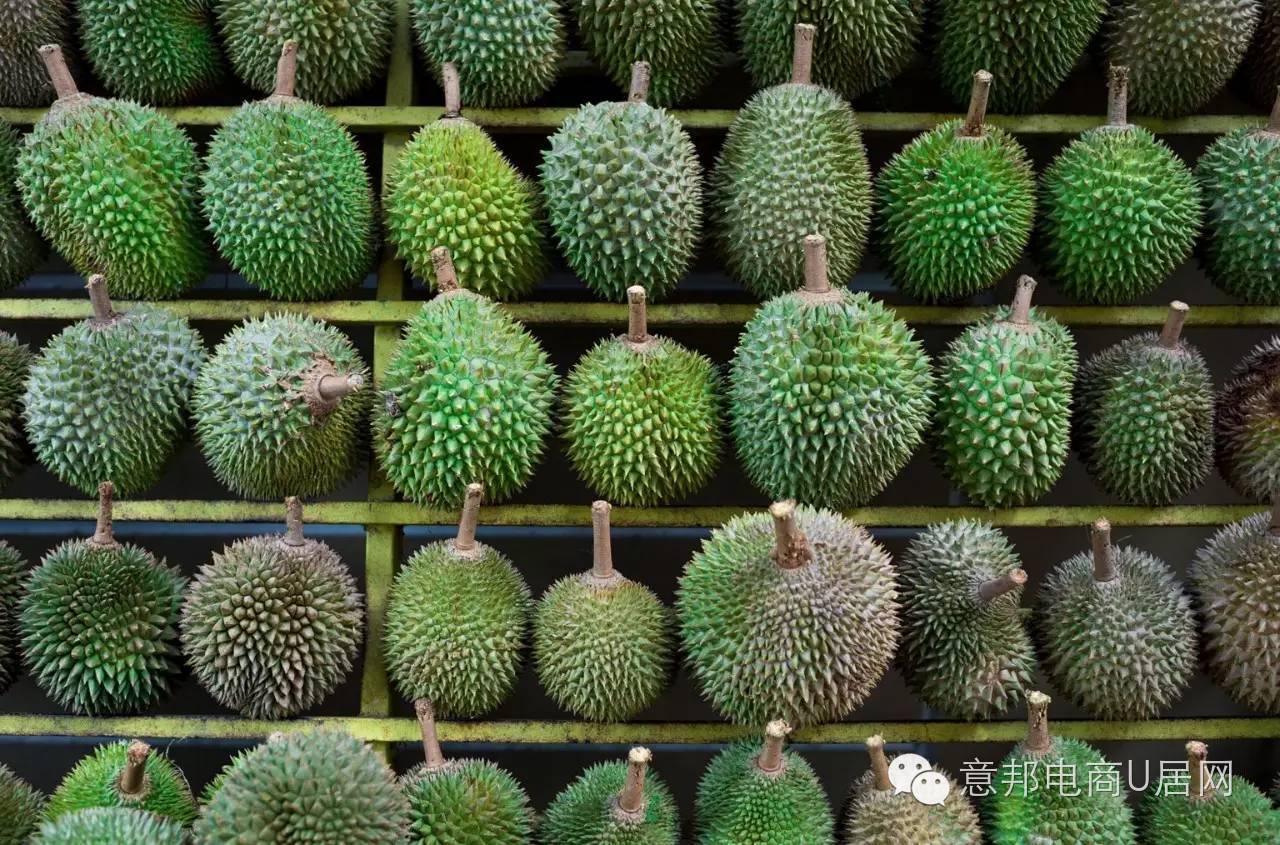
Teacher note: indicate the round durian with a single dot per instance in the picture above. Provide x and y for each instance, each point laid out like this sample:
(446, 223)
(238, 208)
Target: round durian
(1120, 210)
(798, 619)
(21, 809)
(117, 825)
(279, 408)
(287, 195)
(1195, 808)
(623, 188)
(29, 24)
(792, 164)
(135, 371)
(830, 393)
(21, 250)
(13, 572)
(965, 647)
(613, 803)
(1246, 425)
(125, 774)
(15, 365)
(1263, 61)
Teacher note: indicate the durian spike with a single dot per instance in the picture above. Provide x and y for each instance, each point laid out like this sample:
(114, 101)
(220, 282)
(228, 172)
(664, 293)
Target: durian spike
(100, 299)
(466, 539)
(133, 775)
(640, 78)
(1104, 564)
(1118, 96)
(1038, 740)
(974, 122)
(602, 549)
(446, 275)
(631, 798)
(1275, 514)
(452, 85)
(770, 760)
(1198, 786)
(1020, 311)
(879, 763)
(59, 74)
(637, 316)
(802, 55)
(287, 70)
(993, 589)
(1274, 125)
(333, 387)
(791, 549)
(430, 739)
(293, 522)
(815, 264)
(1172, 330)
(104, 531)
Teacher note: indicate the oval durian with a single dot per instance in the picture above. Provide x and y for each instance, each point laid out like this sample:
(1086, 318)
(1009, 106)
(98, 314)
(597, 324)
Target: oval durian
(29, 25)
(21, 250)
(613, 803)
(162, 52)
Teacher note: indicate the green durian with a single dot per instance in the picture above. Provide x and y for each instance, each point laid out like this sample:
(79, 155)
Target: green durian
(274, 624)
(1003, 426)
(343, 45)
(451, 186)
(125, 774)
(965, 647)
(1180, 54)
(1018, 813)
(1247, 425)
(623, 188)
(13, 571)
(99, 622)
(108, 363)
(798, 619)
(279, 408)
(116, 825)
(29, 25)
(287, 195)
(956, 206)
(755, 792)
(829, 393)
(162, 52)
(1120, 210)
(324, 787)
(613, 804)
(1263, 60)
(142, 226)
(15, 365)
(1196, 807)
(457, 619)
(1144, 416)
(642, 416)
(792, 164)
(21, 250)
(1117, 633)
(467, 397)
(21, 808)
(508, 56)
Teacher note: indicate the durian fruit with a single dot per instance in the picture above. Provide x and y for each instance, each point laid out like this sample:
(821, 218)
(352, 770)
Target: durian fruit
(1117, 631)
(343, 45)
(1203, 806)
(274, 624)
(460, 802)
(792, 164)
(1030, 45)
(29, 24)
(1247, 426)
(457, 618)
(623, 188)
(142, 225)
(642, 415)
(602, 642)
(279, 408)
(1180, 54)
(830, 393)
(13, 571)
(613, 804)
(115, 825)
(508, 55)
(1120, 211)
(798, 619)
(965, 647)
(1144, 416)
(1003, 428)
(451, 186)
(99, 622)
(287, 195)
(1017, 813)
(125, 774)
(956, 206)
(758, 792)
(15, 364)
(21, 250)
(467, 396)
(324, 787)
(1263, 61)
(162, 52)
(135, 371)
(21, 808)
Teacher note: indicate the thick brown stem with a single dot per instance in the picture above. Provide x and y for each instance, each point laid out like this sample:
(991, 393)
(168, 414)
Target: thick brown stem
(287, 70)
(791, 549)
(1038, 740)
(1198, 786)
(993, 589)
(637, 317)
(802, 55)
(631, 799)
(1274, 125)
(452, 84)
(879, 763)
(466, 539)
(446, 275)
(104, 532)
(1172, 330)
(1020, 311)
(640, 78)
(133, 776)
(1118, 97)
(1104, 564)
(815, 264)
(430, 740)
(59, 74)
(770, 760)
(333, 387)
(602, 550)
(975, 119)
(100, 299)
(293, 522)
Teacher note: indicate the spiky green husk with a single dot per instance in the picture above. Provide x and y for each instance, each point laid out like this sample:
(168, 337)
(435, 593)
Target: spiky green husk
(13, 571)
(739, 803)
(1239, 814)
(623, 188)
(289, 200)
(15, 364)
(956, 212)
(211, 788)
(456, 627)
(1144, 420)
(1263, 61)
(21, 249)
(95, 782)
(452, 187)
(264, 431)
(883, 818)
(793, 164)
(324, 787)
(82, 407)
(962, 655)
(806, 645)
(1180, 54)
(117, 825)
(1120, 212)
(642, 426)
(585, 812)
(829, 397)
(505, 58)
(1240, 177)
(468, 802)
(1246, 427)
(21, 808)
(29, 24)
(468, 398)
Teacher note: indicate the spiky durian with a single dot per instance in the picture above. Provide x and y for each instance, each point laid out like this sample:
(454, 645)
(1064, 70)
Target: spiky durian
(1263, 61)
(623, 188)
(21, 808)
(279, 408)
(451, 186)
(29, 24)
(829, 393)
(21, 249)
(1144, 418)
(799, 620)
(1207, 806)
(109, 363)
(287, 195)
(1247, 425)
(15, 364)
(125, 774)
(13, 571)
(1120, 210)
(117, 825)
(99, 622)
(142, 225)
(467, 396)
(613, 803)
(965, 648)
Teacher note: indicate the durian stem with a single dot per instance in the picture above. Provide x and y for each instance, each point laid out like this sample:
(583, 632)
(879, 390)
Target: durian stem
(99, 298)
(1038, 740)
(993, 589)
(334, 387)
(132, 777)
(637, 316)
(631, 798)
(791, 550)
(104, 531)
(287, 70)
(466, 539)
(1104, 565)
(430, 739)
(293, 521)
(1198, 786)
(1020, 311)
(452, 89)
(973, 122)
(770, 760)
(59, 74)
(446, 275)
(1172, 330)
(879, 763)
(802, 55)
(815, 264)
(640, 78)
(602, 550)
(1118, 97)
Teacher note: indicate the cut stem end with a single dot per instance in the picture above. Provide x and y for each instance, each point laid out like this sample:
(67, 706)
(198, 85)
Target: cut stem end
(815, 264)
(100, 299)
(993, 589)
(641, 76)
(1020, 310)
(879, 763)
(1118, 96)
(104, 531)
(1038, 740)
(1104, 564)
(446, 274)
(802, 55)
(1198, 787)
(1172, 331)
(466, 539)
(293, 522)
(771, 760)
(59, 74)
(133, 775)
(602, 549)
(631, 799)
(974, 121)
(426, 713)
(791, 549)
(452, 84)
(637, 315)
(287, 70)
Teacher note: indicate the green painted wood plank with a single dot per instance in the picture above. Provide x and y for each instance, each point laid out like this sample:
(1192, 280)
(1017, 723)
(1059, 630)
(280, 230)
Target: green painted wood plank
(381, 554)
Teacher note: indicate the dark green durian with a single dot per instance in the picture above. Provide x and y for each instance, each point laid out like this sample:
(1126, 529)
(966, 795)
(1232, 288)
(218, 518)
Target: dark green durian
(1263, 61)
(1204, 806)
(162, 52)
(125, 774)
(15, 365)
(878, 814)
(1247, 423)
(29, 25)
(21, 809)
(115, 825)
(613, 803)
(13, 572)
(21, 250)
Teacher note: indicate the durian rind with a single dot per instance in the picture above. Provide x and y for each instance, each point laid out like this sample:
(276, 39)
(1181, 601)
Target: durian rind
(738, 803)
(13, 572)
(873, 817)
(15, 364)
(21, 250)
(1247, 429)
(1239, 814)
(468, 802)
(120, 825)
(585, 812)
(1263, 61)
(1240, 177)
(30, 24)
(95, 782)
(21, 809)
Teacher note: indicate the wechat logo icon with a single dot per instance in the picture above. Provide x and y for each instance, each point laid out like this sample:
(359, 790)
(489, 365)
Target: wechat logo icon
(914, 774)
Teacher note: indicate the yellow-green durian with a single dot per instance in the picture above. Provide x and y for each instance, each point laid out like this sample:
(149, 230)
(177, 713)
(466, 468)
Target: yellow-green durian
(125, 774)
(877, 813)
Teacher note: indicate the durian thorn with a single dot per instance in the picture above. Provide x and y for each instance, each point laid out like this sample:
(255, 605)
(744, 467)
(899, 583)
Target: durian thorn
(59, 74)
(1020, 310)
(1172, 330)
(452, 84)
(974, 121)
(1118, 96)
(333, 386)
(802, 54)
(994, 588)
(879, 763)
(602, 549)
(1274, 125)
(287, 70)
(640, 78)
(466, 539)
(100, 299)
(446, 274)
(771, 760)
(1104, 564)
(293, 522)
(1198, 786)
(637, 316)
(133, 775)
(631, 798)
(430, 738)
(104, 531)
(791, 549)
(1038, 740)
(815, 264)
